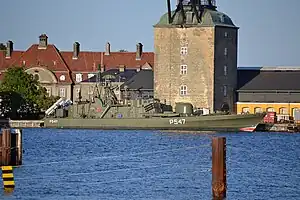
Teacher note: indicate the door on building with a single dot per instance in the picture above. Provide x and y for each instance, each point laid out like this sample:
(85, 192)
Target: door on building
(225, 107)
(294, 111)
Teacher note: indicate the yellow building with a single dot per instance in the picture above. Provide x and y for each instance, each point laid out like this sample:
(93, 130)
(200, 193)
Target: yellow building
(255, 107)
(268, 89)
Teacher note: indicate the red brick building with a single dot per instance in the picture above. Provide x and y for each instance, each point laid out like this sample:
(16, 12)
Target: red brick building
(61, 72)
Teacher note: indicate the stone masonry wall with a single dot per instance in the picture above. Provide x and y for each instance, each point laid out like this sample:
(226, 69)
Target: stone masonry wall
(199, 60)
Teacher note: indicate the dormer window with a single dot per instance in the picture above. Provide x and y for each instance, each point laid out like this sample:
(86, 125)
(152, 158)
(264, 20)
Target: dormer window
(222, 18)
(90, 75)
(62, 77)
(78, 77)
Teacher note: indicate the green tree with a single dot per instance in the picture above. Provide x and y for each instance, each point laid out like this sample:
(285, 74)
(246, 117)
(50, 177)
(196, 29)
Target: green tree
(123, 50)
(32, 96)
(2, 47)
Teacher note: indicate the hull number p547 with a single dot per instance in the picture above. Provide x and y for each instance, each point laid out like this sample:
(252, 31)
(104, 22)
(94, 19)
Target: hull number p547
(177, 121)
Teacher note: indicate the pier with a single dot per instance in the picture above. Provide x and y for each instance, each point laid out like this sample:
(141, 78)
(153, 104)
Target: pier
(22, 123)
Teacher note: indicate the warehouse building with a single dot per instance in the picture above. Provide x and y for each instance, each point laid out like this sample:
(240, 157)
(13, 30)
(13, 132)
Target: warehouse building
(268, 89)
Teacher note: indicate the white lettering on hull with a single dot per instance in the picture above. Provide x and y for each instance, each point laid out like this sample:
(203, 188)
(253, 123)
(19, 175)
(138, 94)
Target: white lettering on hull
(177, 121)
(53, 121)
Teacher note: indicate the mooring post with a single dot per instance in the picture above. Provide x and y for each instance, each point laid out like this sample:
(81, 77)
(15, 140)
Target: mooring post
(19, 147)
(6, 147)
(219, 184)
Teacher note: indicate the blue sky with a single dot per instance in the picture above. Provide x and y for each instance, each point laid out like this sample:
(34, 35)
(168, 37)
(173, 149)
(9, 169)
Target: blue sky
(269, 29)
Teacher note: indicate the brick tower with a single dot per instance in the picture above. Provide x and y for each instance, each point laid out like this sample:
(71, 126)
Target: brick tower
(196, 56)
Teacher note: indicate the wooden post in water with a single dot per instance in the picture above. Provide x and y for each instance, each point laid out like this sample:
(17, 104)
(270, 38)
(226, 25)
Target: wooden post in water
(19, 147)
(219, 184)
(6, 147)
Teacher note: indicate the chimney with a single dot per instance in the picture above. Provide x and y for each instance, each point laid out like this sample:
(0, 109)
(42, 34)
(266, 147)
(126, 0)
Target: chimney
(107, 49)
(43, 41)
(121, 68)
(139, 51)
(102, 68)
(9, 49)
(76, 50)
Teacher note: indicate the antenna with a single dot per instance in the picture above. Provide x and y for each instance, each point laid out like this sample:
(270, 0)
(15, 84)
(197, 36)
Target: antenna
(169, 11)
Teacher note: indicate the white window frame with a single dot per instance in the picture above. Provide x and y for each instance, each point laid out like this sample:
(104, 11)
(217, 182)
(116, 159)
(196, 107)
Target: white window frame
(62, 92)
(78, 77)
(184, 50)
(183, 69)
(225, 70)
(225, 51)
(183, 90)
(225, 90)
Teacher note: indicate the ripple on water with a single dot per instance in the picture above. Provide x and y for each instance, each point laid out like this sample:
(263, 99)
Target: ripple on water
(94, 164)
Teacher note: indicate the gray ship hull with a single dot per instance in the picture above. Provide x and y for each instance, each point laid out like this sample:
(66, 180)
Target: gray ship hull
(202, 123)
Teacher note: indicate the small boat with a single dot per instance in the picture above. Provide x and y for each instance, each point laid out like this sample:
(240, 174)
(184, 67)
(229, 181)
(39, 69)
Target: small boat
(248, 129)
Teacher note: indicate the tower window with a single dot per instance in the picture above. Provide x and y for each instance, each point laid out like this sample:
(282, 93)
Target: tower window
(183, 69)
(224, 90)
(183, 51)
(225, 51)
(183, 90)
(225, 34)
(225, 70)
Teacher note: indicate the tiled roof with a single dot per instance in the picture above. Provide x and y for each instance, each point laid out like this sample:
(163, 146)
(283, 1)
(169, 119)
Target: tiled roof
(48, 58)
(128, 59)
(143, 80)
(86, 62)
(119, 76)
(89, 61)
(6, 62)
(265, 80)
(62, 63)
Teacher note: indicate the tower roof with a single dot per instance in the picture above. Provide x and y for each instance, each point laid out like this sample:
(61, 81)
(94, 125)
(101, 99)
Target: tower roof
(187, 14)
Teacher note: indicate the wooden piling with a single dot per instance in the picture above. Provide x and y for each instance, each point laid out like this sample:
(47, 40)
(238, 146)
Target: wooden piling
(19, 147)
(6, 147)
(219, 184)
(11, 147)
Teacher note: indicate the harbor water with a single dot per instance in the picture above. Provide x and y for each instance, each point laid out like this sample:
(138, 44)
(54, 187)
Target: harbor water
(114, 165)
